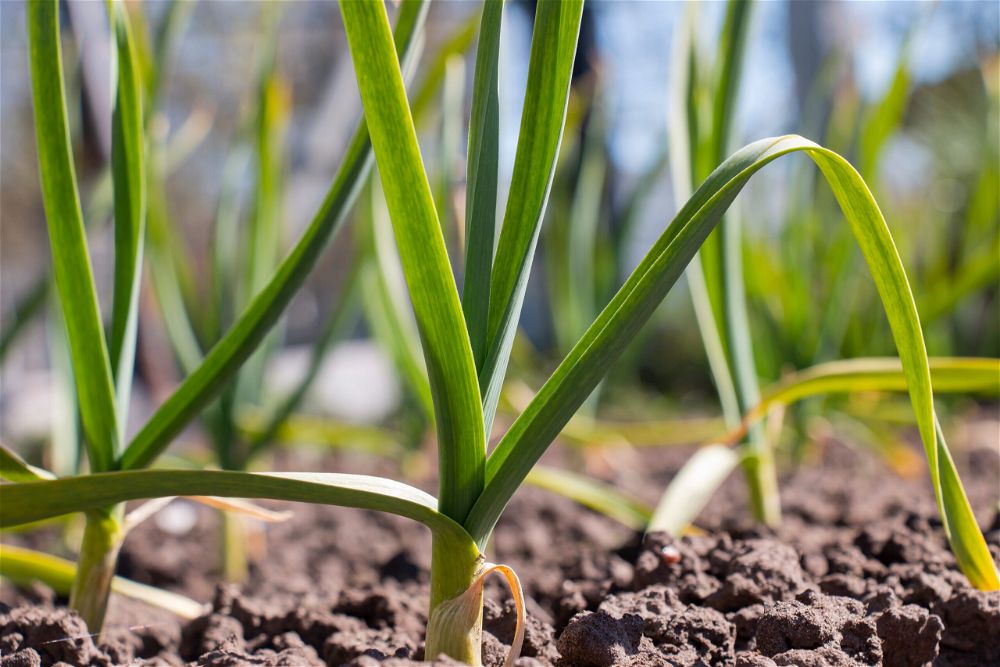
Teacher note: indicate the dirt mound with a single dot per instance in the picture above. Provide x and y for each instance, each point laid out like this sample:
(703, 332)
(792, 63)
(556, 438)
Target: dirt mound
(858, 574)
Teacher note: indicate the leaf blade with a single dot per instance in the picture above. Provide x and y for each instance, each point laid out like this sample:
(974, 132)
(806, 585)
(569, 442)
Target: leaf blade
(482, 173)
(691, 488)
(26, 502)
(24, 566)
(15, 469)
(586, 364)
(419, 239)
(971, 551)
(128, 175)
(550, 67)
(71, 259)
(948, 374)
(598, 496)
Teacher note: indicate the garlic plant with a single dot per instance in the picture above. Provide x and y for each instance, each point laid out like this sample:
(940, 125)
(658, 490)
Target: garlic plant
(466, 350)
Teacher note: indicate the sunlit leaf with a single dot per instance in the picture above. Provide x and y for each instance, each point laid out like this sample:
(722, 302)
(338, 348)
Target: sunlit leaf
(33, 501)
(71, 259)
(692, 487)
(128, 171)
(481, 195)
(550, 66)
(590, 359)
(451, 368)
(25, 566)
(591, 493)
(15, 469)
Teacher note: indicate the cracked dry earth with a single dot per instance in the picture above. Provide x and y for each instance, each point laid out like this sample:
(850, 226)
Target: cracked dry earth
(858, 574)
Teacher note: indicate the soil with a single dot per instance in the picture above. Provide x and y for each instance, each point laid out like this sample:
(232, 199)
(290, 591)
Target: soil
(857, 574)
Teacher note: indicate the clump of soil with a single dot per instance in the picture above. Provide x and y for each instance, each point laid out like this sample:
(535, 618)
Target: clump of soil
(857, 574)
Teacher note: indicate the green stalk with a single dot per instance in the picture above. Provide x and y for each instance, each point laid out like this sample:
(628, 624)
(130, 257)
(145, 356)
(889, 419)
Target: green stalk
(758, 464)
(75, 285)
(762, 478)
(235, 567)
(683, 126)
(454, 568)
(716, 279)
(102, 539)
(230, 455)
(424, 258)
(444, 336)
(104, 530)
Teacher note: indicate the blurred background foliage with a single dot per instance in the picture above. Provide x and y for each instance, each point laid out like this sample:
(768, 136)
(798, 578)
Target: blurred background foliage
(253, 108)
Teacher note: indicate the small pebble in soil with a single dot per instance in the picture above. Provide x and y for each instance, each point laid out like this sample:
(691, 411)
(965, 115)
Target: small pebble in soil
(670, 555)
